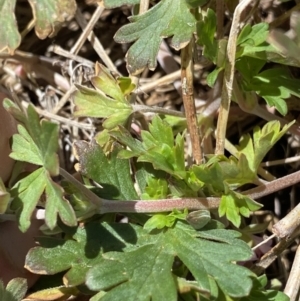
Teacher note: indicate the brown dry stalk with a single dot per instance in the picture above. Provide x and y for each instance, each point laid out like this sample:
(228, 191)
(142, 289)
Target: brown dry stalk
(293, 283)
(272, 255)
(228, 77)
(188, 99)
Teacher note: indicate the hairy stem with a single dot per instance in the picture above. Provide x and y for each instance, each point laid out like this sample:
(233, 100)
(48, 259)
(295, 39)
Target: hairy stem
(163, 205)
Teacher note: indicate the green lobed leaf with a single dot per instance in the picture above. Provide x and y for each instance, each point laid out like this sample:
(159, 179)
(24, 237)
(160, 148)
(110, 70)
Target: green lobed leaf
(24, 148)
(112, 173)
(162, 220)
(206, 29)
(237, 172)
(57, 205)
(251, 151)
(26, 197)
(80, 252)
(135, 278)
(165, 19)
(92, 103)
(144, 172)
(104, 82)
(49, 14)
(155, 189)
(253, 36)
(211, 175)
(37, 142)
(259, 292)
(254, 42)
(14, 110)
(206, 254)
(126, 85)
(228, 207)
(10, 38)
(212, 76)
(275, 85)
(249, 67)
(27, 193)
(14, 291)
(234, 204)
(157, 147)
(254, 150)
(45, 136)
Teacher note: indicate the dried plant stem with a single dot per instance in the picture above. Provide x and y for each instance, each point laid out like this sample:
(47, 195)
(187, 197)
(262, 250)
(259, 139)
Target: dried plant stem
(228, 77)
(88, 28)
(95, 41)
(158, 110)
(60, 51)
(281, 161)
(63, 100)
(287, 225)
(272, 255)
(28, 28)
(188, 99)
(165, 80)
(61, 119)
(144, 6)
(264, 242)
(293, 283)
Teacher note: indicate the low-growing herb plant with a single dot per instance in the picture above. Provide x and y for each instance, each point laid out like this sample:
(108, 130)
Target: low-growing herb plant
(146, 219)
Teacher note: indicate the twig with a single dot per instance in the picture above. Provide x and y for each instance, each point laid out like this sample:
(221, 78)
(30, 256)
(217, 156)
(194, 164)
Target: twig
(60, 51)
(40, 66)
(158, 110)
(61, 119)
(293, 283)
(287, 225)
(64, 100)
(281, 161)
(170, 78)
(263, 242)
(96, 44)
(228, 77)
(188, 99)
(88, 28)
(28, 28)
(272, 255)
